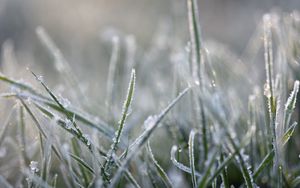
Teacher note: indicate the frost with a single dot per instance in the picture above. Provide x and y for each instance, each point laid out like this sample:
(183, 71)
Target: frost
(88, 140)
(291, 102)
(66, 147)
(267, 90)
(63, 101)
(33, 166)
(150, 122)
(40, 78)
(68, 124)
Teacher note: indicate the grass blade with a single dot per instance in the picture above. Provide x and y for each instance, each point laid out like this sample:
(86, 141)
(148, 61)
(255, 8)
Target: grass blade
(192, 158)
(160, 170)
(180, 165)
(126, 107)
(203, 182)
(82, 163)
(141, 140)
(269, 158)
(83, 166)
(196, 46)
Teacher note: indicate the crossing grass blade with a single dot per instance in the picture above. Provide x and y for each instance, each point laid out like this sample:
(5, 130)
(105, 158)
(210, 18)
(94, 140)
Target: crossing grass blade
(35, 95)
(136, 146)
(270, 156)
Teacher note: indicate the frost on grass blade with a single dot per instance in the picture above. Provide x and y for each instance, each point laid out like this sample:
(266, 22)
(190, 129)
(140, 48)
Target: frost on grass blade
(290, 104)
(160, 170)
(126, 108)
(136, 146)
(208, 168)
(192, 157)
(195, 37)
(98, 124)
(20, 85)
(180, 165)
(69, 116)
(196, 64)
(152, 123)
(83, 167)
(269, 158)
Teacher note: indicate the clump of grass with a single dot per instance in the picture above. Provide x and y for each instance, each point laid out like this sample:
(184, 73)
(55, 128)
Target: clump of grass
(209, 140)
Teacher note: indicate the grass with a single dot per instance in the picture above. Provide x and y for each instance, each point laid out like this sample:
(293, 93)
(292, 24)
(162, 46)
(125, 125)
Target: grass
(222, 127)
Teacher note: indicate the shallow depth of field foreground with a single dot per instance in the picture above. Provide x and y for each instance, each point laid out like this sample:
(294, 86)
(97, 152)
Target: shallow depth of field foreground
(142, 94)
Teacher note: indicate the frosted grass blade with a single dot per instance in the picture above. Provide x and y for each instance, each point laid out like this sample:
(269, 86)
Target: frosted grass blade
(192, 158)
(196, 46)
(141, 140)
(160, 170)
(180, 165)
(126, 107)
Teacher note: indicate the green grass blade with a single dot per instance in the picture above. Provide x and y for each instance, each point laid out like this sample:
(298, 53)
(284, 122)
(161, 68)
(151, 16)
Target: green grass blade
(180, 165)
(76, 150)
(82, 163)
(160, 170)
(153, 123)
(70, 118)
(269, 158)
(126, 107)
(20, 85)
(101, 126)
(224, 174)
(192, 158)
(141, 140)
(196, 46)
(22, 140)
(203, 182)
(54, 181)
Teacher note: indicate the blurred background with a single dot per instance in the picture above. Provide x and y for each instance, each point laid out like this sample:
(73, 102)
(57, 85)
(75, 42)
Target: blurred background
(155, 31)
(75, 25)
(82, 28)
